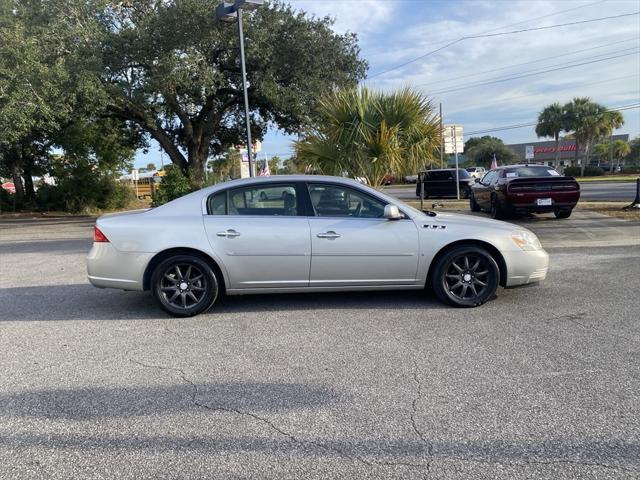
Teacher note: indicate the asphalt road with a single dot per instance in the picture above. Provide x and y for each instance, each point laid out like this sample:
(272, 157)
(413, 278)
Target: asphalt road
(542, 382)
(596, 191)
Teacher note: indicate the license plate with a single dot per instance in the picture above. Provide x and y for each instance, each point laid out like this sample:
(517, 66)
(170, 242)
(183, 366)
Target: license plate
(543, 202)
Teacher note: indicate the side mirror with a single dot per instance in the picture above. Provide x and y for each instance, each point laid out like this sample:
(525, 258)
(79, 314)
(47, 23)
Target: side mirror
(391, 212)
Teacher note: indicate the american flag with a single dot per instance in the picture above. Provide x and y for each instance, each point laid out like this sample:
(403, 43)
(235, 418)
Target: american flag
(264, 169)
(494, 163)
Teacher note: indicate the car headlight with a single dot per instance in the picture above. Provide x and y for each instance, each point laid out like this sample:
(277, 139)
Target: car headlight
(526, 240)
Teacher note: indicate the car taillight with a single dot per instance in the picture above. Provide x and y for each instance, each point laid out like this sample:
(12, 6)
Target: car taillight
(98, 236)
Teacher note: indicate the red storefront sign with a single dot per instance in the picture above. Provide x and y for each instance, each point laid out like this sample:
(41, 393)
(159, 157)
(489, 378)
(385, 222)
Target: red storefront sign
(9, 187)
(562, 148)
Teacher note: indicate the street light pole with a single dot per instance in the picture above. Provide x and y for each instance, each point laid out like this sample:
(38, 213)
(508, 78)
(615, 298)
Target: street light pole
(232, 12)
(243, 68)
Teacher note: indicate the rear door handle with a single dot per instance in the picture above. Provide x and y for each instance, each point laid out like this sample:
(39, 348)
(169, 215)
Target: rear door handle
(329, 234)
(228, 233)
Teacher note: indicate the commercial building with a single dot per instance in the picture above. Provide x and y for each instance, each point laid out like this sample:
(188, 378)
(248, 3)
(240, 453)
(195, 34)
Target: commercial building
(545, 152)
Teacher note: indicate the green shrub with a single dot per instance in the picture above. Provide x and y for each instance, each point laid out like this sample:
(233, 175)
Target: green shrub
(631, 169)
(588, 171)
(173, 185)
(6, 201)
(84, 192)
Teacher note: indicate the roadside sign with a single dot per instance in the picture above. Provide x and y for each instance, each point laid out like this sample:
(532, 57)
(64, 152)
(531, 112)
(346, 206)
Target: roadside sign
(135, 175)
(528, 152)
(453, 138)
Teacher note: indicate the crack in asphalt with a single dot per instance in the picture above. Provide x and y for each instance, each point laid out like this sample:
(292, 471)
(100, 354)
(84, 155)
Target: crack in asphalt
(358, 458)
(575, 317)
(414, 411)
(273, 426)
(432, 456)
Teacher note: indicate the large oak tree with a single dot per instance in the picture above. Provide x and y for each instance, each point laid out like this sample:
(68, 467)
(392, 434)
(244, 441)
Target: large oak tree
(172, 69)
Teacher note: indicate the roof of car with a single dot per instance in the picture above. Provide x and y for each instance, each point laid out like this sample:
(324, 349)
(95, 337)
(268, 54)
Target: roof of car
(524, 165)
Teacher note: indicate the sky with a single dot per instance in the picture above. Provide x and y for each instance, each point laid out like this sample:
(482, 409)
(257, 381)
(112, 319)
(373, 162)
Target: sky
(492, 81)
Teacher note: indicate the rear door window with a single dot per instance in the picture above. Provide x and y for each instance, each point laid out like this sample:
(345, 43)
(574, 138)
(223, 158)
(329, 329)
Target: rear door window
(277, 200)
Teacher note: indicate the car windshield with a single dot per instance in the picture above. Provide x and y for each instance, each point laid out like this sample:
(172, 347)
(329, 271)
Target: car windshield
(531, 171)
(471, 170)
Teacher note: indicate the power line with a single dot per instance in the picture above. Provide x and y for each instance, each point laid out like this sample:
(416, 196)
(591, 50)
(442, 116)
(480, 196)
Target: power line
(529, 20)
(531, 124)
(500, 80)
(508, 99)
(468, 37)
(475, 74)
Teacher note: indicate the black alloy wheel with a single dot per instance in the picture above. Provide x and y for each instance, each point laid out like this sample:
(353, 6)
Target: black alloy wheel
(467, 276)
(184, 285)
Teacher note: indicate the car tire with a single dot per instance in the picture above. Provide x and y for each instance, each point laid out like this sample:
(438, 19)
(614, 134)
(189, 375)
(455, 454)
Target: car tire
(466, 276)
(496, 210)
(466, 192)
(562, 213)
(473, 205)
(184, 285)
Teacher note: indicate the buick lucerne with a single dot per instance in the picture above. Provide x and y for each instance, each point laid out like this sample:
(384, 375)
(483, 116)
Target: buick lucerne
(306, 233)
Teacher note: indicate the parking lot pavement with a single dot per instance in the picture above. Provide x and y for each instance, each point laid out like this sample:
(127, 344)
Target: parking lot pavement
(542, 382)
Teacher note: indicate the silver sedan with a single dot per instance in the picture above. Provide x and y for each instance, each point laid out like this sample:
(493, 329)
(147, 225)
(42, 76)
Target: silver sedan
(305, 233)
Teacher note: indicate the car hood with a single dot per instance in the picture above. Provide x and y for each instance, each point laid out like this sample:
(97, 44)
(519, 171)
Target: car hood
(473, 221)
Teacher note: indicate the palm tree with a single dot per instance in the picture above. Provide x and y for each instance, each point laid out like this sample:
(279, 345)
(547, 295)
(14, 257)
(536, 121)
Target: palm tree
(365, 133)
(551, 122)
(587, 120)
(612, 120)
(620, 150)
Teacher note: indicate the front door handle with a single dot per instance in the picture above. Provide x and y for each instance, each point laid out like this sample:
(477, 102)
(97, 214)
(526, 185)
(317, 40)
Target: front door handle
(228, 233)
(329, 234)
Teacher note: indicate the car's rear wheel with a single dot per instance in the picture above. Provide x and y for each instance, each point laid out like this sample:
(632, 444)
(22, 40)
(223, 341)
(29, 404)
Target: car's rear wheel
(184, 285)
(562, 213)
(466, 192)
(496, 210)
(466, 276)
(473, 205)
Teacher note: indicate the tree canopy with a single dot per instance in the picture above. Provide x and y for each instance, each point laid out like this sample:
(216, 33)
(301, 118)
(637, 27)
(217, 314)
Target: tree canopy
(480, 151)
(164, 70)
(171, 69)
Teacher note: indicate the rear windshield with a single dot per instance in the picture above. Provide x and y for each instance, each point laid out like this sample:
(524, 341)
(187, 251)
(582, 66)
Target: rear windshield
(530, 171)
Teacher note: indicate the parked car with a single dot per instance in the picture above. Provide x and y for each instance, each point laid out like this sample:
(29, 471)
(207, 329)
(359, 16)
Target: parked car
(330, 234)
(476, 172)
(388, 179)
(525, 189)
(411, 179)
(442, 183)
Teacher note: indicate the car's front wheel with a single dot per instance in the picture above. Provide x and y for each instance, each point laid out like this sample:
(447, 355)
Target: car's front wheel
(184, 285)
(466, 276)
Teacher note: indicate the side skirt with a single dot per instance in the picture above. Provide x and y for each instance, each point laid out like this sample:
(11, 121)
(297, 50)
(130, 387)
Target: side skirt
(350, 288)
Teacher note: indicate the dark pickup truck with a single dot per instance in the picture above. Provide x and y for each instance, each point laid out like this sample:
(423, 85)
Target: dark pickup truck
(525, 189)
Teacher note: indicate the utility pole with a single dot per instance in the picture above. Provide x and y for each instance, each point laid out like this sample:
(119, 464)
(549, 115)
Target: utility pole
(441, 140)
(455, 150)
